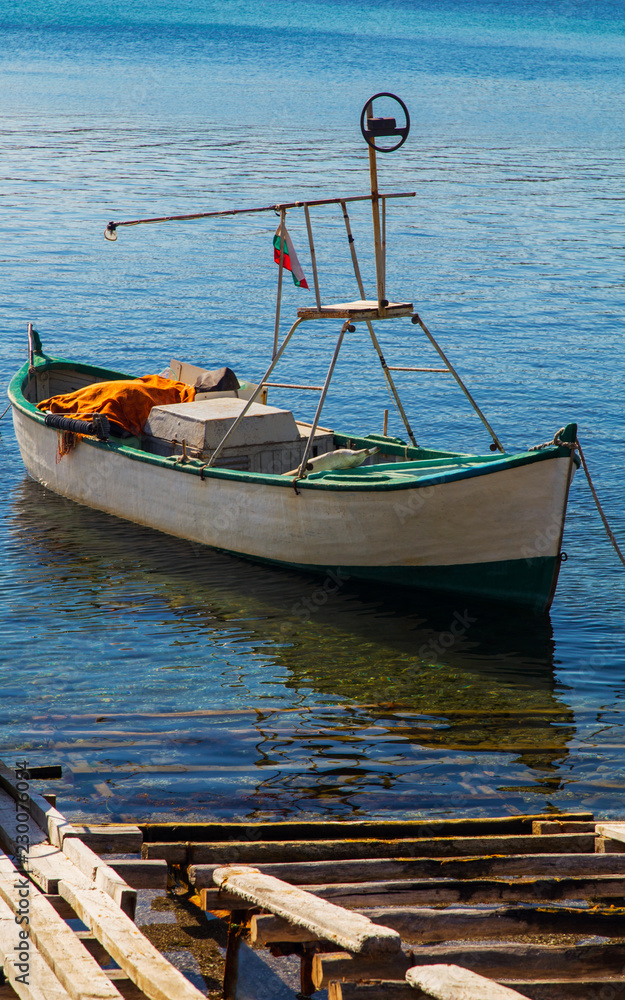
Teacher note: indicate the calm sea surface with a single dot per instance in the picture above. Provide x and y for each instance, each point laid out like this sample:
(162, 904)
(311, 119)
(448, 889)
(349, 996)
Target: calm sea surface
(175, 682)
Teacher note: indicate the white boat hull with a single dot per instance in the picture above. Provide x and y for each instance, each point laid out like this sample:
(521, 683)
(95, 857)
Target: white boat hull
(510, 520)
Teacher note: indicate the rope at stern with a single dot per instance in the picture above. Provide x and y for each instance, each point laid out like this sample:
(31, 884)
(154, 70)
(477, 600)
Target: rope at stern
(4, 412)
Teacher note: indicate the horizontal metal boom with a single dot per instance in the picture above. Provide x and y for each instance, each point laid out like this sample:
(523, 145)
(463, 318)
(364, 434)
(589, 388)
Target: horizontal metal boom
(264, 208)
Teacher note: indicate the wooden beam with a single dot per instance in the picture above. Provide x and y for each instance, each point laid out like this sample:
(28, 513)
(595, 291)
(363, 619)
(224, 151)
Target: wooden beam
(562, 989)
(448, 982)
(343, 966)
(359, 895)
(108, 838)
(540, 827)
(47, 865)
(273, 852)
(495, 961)
(42, 983)
(265, 929)
(350, 830)
(141, 874)
(236, 931)
(103, 875)
(381, 869)
(73, 966)
(505, 960)
(385, 989)
(352, 931)
(145, 965)
(423, 925)
(9, 824)
(587, 988)
(172, 853)
(614, 831)
(604, 845)
(47, 817)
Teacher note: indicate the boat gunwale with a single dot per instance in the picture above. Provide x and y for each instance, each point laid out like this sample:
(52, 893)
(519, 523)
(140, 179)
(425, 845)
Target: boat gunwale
(317, 481)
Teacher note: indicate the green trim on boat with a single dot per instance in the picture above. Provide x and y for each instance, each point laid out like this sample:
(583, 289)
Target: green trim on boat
(421, 467)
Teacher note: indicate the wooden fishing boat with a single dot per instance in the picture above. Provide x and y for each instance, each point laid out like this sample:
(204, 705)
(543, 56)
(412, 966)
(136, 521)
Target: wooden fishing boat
(225, 469)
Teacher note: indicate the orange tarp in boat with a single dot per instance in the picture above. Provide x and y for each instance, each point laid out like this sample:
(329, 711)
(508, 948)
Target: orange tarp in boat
(126, 402)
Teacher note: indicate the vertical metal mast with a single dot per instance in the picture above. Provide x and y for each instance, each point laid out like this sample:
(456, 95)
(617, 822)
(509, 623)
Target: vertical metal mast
(375, 211)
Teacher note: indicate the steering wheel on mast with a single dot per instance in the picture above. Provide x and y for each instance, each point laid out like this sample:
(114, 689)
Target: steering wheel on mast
(378, 127)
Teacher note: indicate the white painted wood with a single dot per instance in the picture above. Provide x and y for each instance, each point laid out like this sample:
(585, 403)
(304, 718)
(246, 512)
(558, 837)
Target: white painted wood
(613, 831)
(349, 930)
(127, 946)
(449, 982)
(515, 513)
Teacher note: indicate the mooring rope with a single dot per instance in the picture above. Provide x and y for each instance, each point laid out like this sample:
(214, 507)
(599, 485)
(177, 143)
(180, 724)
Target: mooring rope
(4, 412)
(599, 507)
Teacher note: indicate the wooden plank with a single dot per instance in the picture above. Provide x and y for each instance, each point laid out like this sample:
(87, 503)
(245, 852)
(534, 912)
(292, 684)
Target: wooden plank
(41, 983)
(171, 853)
(158, 979)
(141, 874)
(603, 845)
(273, 852)
(614, 831)
(73, 966)
(236, 931)
(350, 830)
(588, 988)
(566, 989)
(381, 869)
(386, 989)
(102, 874)
(9, 825)
(505, 960)
(448, 982)
(352, 931)
(45, 772)
(266, 929)
(47, 817)
(495, 961)
(47, 865)
(540, 827)
(341, 965)
(359, 895)
(108, 838)
(424, 925)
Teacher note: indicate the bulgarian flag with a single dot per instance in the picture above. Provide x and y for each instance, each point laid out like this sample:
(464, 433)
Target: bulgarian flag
(289, 261)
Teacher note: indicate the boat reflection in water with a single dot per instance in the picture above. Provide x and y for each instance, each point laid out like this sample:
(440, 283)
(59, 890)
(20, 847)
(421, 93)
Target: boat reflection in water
(171, 678)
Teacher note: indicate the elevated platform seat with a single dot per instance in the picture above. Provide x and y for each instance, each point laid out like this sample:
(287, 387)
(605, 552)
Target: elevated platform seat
(358, 311)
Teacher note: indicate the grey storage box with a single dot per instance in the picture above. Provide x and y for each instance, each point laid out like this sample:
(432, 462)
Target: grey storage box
(267, 440)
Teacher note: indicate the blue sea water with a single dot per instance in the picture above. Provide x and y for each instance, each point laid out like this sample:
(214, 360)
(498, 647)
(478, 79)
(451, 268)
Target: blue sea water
(173, 682)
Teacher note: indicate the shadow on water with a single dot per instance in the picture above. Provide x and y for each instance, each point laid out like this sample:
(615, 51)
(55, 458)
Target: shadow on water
(352, 685)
